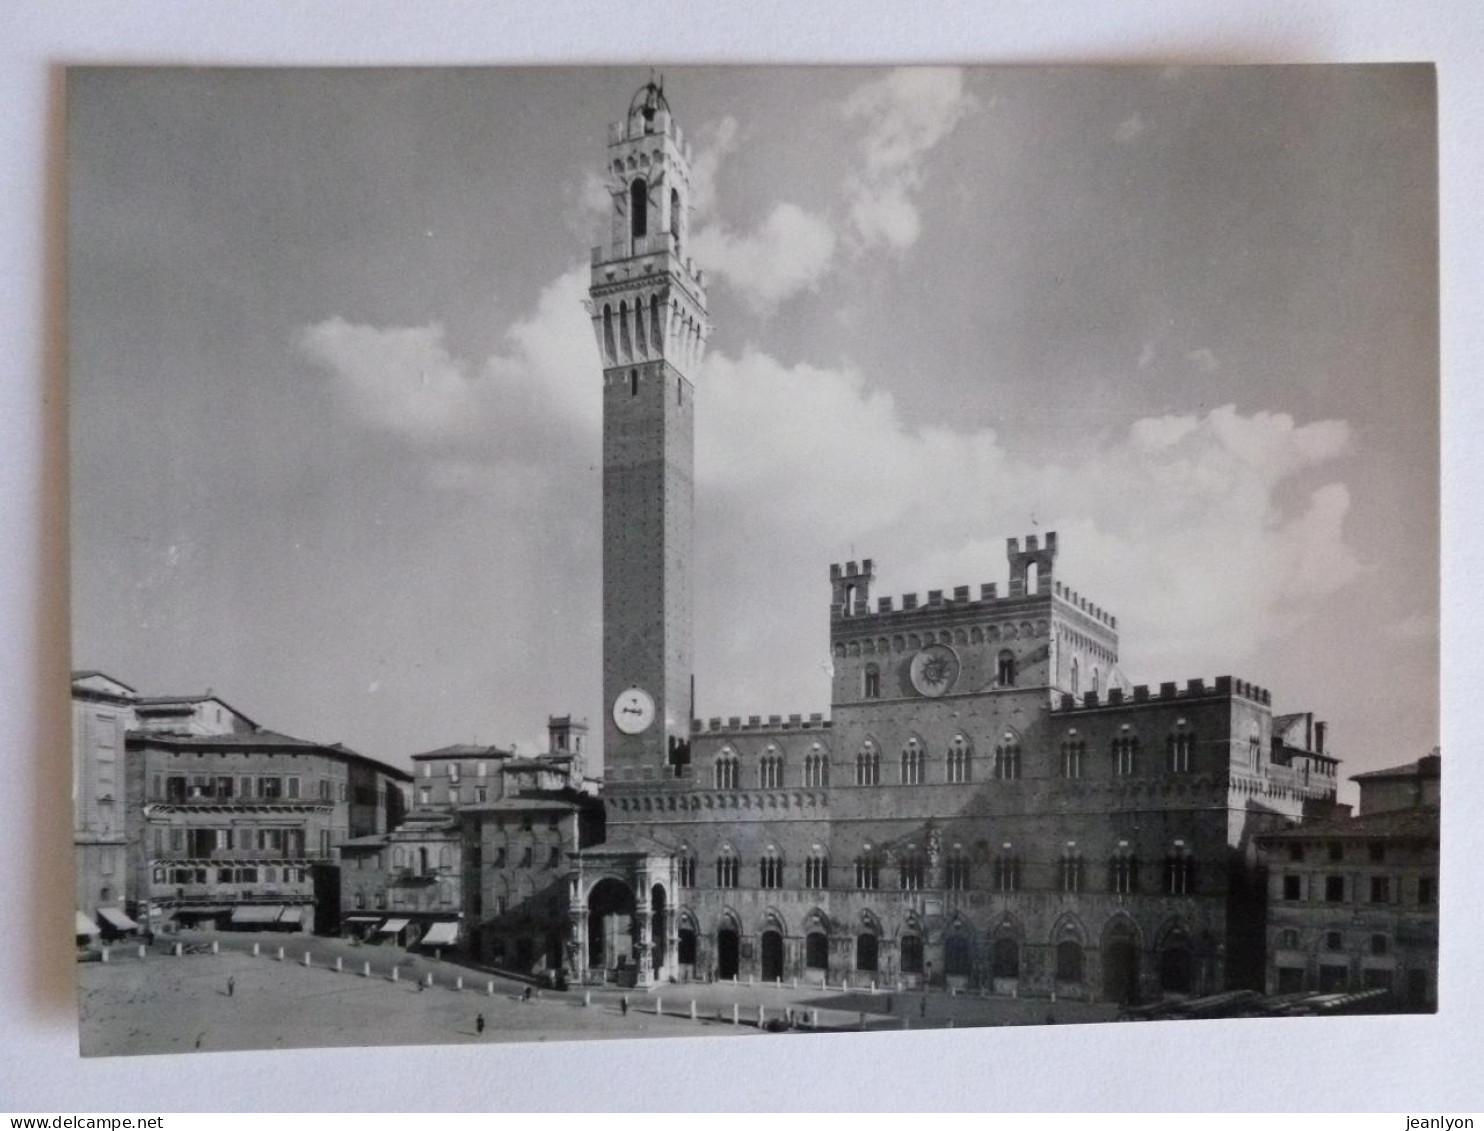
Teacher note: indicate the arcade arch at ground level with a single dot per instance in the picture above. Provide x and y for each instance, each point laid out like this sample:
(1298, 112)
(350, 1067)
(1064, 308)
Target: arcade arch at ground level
(1091, 952)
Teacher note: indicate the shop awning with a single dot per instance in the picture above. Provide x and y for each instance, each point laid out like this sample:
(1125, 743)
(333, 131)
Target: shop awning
(292, 915)
(441, 934)
(117, 919)
(392, 926)
(363, 918)
(199, 912)
(267, 913)
(86, 926)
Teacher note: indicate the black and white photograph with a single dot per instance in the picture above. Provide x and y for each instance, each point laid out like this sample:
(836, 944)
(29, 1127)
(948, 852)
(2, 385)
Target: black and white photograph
(566, 553)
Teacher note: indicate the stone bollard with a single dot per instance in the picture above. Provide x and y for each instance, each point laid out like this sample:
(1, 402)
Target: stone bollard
(734, 979)
(143, 950)
(796, 983)
(950, 1022)
(778, 983)
(692, 1010)
(906, 1022)
(736, 1014)
(489, 988)
(365, 969)
(749, 979)
(1015, 990)
(215, 947)
(587, 999)
(1053, 997)
(428, 981)
(308, 959)
(814, 1019)
(659, 1007)
(339, 964)
(256, 950)
(177, 950)
(104, 953)
(394, 973)
(873, 985)
(280, 954)
(458, 982)
(762, 1016)
(863, 1020)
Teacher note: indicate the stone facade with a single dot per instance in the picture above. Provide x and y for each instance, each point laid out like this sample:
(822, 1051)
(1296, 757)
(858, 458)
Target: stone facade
(102, 715)
(1353, 901)
(232, 827)
(991, 803)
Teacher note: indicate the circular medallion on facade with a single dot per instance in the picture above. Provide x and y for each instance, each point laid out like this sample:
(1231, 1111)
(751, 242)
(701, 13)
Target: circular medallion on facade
(633, 711)
(934, 670)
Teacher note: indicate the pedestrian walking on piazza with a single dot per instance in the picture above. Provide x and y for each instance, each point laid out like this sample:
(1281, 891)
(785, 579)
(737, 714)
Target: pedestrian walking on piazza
(231, 985)
(479, 1024)
(623, 1005)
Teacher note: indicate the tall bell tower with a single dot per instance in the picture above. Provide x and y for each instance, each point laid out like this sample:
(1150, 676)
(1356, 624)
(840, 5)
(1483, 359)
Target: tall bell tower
(648, 305)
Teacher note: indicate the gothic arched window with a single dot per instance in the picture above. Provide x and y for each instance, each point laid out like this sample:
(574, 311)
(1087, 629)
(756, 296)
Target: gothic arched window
(1007, 758)
(817, 769)
(959, 761)
(912, 760)
(770, 870)
(639, 208)
(868, 766)
(726, 869)
(817, 871)
(726, 773)
(610, 351)
(1005, 669)
(871, 682)
(675, 217)
(770, 770)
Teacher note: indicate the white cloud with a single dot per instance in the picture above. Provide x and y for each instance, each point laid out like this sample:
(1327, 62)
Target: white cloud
(402, 380)
(1195, 529)
(905, 115)
(1176, 525)
(713, 144)
(789, 252)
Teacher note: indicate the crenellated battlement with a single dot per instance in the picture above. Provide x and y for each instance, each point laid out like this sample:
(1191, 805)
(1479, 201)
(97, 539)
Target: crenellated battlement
(1082, 604)
(1224, 686)
(755, 723)
(850, 584)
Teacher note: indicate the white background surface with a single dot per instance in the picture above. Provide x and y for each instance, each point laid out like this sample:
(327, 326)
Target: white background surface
(1421, 1065)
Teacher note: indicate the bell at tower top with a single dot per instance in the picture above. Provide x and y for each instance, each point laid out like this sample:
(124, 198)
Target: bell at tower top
(649, 118)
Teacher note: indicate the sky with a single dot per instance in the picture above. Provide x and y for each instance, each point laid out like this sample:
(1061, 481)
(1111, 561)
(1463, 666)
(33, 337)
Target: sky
(336, 404)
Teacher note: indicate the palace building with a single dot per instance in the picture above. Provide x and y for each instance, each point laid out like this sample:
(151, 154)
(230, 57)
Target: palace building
(989, 804)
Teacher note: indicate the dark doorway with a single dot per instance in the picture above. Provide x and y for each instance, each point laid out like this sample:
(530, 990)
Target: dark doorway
(1069, 962)
(610, 925)
(1174, 968)
(1417, 988)
(817, 951)
(523, 950)
(1332, 979)
(728, 952)
(1120, 969)
(772, 956)
(865, 953)
(956, 956)
(1290, 979)
(911, 959)
(657, 927)
(687, 947)
(1006, 959)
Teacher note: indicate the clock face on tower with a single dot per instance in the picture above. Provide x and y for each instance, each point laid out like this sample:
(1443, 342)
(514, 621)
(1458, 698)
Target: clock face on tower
(934, 670)
(633, 711)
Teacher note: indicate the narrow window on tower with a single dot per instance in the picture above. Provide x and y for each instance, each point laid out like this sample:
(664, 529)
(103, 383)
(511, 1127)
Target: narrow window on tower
(675, 218)
(608, 347)
(633, 382)
(639, 337)
(679, 392)
(639, 207)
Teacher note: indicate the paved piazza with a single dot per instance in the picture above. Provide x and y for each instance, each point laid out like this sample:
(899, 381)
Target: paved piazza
(167, 1004)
